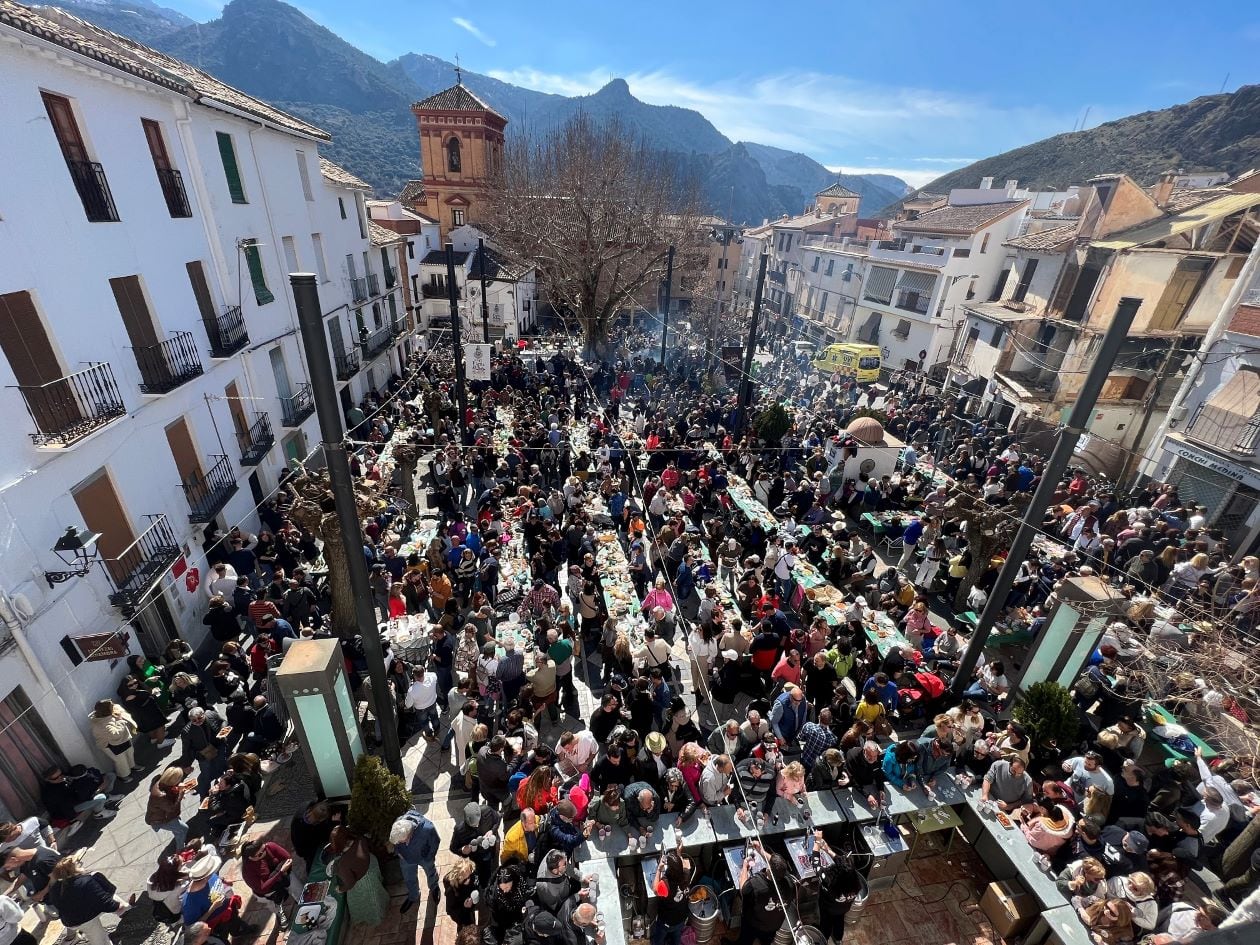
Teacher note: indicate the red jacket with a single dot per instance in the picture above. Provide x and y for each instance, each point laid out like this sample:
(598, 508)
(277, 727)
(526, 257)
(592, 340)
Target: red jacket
(264, 875)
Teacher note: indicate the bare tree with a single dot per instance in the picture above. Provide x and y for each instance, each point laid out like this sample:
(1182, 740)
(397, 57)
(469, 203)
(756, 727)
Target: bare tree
(314, 510)
(990, 531)
(596, 210)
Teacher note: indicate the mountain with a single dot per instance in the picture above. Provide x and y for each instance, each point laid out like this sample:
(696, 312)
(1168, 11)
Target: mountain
(272, 50)
(803, 173)
(142, 20)
(1221, 132)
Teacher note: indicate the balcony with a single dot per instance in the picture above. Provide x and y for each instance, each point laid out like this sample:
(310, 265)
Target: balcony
(374, 285)
(777, 277)
(173, 190)
(431, 291)
(142, 564)
(165, 366)
(227, 332)
(208, 494)
(69, 408)
(376, 342)
(257, 441)
(398, 327)
(1224, 430)
(346, 363)
(391, 277)
(358, 288)
(295, 409)
(89, 180)
(901, 250)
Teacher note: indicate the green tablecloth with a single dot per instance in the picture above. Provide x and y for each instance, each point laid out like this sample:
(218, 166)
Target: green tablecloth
(1157, 715)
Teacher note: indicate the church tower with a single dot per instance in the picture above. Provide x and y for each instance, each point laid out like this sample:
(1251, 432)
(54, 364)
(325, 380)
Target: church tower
(461, 147)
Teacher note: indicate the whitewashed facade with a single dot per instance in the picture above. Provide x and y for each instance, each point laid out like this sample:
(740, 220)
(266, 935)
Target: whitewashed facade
(150, 365)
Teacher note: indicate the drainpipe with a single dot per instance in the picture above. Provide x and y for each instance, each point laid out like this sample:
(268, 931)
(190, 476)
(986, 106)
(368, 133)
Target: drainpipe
(1151, 461)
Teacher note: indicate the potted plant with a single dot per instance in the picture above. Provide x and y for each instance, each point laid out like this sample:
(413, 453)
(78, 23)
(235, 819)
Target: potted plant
(1050, 717)
(377, 799)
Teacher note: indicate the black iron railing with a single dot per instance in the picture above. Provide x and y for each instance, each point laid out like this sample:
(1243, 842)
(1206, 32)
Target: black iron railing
(209, 493)
(71, 407)
(398, 327)
(376, 342)
(374, 284)
(227, 332)
(1249, 437)
(358, 287)
(93, 187)
(431, 291)
(295, 409)
(167, 365)
(257, 441)
(391, 277)
(173, 190)
(347, 364)
(141, 564)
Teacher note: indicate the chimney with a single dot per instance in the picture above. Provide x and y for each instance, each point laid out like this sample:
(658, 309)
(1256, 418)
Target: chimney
(1011, 187)
(1164, 188)
(986, 183)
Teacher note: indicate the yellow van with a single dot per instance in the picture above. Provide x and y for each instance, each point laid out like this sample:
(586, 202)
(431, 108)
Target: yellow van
(850, 360)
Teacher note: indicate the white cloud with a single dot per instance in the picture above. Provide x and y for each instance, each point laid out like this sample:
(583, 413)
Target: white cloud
(470, 27)
(835, 119)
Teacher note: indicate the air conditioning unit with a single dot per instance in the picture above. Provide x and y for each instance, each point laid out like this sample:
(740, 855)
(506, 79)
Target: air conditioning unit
(1177, 414)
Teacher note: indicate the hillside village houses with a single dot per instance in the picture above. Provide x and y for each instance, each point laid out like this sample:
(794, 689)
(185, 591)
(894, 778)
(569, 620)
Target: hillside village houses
(1026, 343)
(163, 388)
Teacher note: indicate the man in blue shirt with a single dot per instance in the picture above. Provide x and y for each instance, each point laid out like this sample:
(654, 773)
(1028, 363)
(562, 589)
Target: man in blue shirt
(910, 542)
(415, 841)
(887, 690)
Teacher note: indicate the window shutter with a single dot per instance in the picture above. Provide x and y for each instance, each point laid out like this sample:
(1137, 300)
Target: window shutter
(262, 295)
(231, 170)
(879, 286)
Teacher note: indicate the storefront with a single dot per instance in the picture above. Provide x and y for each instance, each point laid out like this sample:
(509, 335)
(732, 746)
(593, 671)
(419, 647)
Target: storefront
(1228, 491)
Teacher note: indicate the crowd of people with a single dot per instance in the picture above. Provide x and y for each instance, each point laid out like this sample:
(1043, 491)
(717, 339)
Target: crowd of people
(726, 686)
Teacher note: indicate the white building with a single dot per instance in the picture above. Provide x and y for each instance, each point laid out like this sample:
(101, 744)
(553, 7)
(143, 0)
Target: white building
(511, 289)
(151, 367)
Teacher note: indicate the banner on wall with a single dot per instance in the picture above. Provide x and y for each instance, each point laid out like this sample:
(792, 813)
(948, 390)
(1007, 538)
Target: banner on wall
(477, 361)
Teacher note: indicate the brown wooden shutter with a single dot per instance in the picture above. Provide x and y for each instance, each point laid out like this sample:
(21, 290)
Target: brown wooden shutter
(157, 144)
(240, 422)
(61, 114)
(30, 353)
(201, 291)
(179, 438)
(134, 311)
(103, 512)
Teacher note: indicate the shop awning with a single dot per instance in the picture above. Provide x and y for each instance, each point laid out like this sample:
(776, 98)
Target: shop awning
(879, 284)
(920, 282)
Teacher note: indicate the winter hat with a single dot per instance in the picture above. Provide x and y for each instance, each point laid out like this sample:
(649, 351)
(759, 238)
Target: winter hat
(472, 813)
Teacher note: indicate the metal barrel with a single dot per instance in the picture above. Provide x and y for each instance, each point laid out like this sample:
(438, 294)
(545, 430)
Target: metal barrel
(704, 915)
(854, 914)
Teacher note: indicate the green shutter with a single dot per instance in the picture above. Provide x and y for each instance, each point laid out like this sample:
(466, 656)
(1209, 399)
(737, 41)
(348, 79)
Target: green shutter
(230, 168)
(262, 295)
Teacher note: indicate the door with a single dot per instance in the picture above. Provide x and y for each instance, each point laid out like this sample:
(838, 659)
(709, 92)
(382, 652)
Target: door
(103, 512)
(61, 114)
(295, 447)
(346, 400)
(336, 340)
(205, 302)
(29, 350)
(157, 144)
(27, 750)
(240, 421)
(154, 625)
(256, 489)
(1179, 293)
(281, 371)
(179, 438)
(134, 310)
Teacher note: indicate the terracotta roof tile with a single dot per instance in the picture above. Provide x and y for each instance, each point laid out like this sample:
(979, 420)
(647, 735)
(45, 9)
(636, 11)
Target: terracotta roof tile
(1044, 240)
(961, 219)
(126, 55)
(336, 174)
(457, 98)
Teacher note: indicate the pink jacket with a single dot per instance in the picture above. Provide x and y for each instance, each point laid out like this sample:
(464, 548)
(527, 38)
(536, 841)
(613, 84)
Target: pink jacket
(1046, 839)
(658, 597)
(691, 777)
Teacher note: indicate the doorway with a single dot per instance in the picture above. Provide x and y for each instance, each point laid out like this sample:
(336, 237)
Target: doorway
(346, 400)
(27, 750)
(154, 625)
(256, 489)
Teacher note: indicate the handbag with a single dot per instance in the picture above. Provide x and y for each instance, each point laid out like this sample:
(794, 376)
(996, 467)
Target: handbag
(121, 748)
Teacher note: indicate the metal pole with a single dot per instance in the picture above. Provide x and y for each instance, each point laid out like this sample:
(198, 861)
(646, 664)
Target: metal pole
(669, 287)
(485, 303)
(744, 403)
(461, 383)
(1077, 422)
(327, 408)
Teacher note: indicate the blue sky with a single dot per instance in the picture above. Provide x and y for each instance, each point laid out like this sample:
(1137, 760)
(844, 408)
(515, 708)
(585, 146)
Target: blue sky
(913, 88)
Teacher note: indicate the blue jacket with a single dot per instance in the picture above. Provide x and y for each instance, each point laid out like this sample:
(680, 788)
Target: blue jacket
(786, 718)
(896, 772)
(913, 532)
(422, 845)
